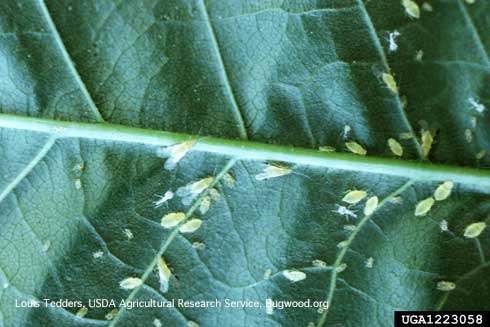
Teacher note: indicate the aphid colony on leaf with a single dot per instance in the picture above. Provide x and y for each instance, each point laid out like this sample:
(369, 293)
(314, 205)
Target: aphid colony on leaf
(294, 275)
(130, 283)
(395, 147)
(175, 153)
(474, 230)
(273, 171)
(424, 206)
(411, 8)
(355, 148)
(164, 274)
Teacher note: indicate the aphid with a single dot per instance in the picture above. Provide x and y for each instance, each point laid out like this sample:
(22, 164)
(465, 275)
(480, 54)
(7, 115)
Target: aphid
(190, 191)
(269, 308)
(443, 191)
(128, 233)
(474, 230)
(341, 210)
(157, 323)
(411, 8)
(78, 183)
(326, 148)
(341, 268)
(46, 245)
(445, 286)
(419, 55)
(353, 197)
(350, 228)
(205, 205)
(427, 141)
(98, 254)
(347, 130)
(474, 121)
(272, 171)
(82, 312)
(191, 323)
(427, 7)
(470, 2)
(294, 275)
(130, 283)
(164, 273)
(396, 200)
(370, 262)
(191, 226)
(229, 180)
(424, 206)
(480, 108)
(318, 263)
(468, 135)
(406, 135)
(342, 244)
(79, 166)
(311, 324)
(392, 40)
(172, 219)
(390, 82)
(111, 314)
(371, 205)
(444, 225)
(215, 196)
(162, 199)
(480, 155)
(199, 245)
(356, 148)
(175, 153)
(395, 147)
(267, 273)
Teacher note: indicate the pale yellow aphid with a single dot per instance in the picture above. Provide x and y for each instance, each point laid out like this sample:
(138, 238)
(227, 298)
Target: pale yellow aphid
(390, 82)
(396, 200)
(199, 186)
(215, 196)
(326, 148)
(443, 225)
(371, 205)
(353, 197)
(318, 263)
(111, 314)
(370, 262)
(341, 267)
(272, 171)
(172, 219)
(191, 323)
(157, 322)
(468, 135)
(82, 312)
(424, 206)
(229, 180)
(128, 233)
(78, 183)
(343, 244)
(443, 191)
(164, 274)
(419, 55)
(205, 205)
(175, 153)
(470, 2)
(474, 230)
(395, 147)
(480, 155)
(406, 135)
(427, 141)
(294, 275)
(98, 254)
(350, 228)
(130, 283)
(427, 7)
(355, 148)
(445, 286)
(191, 226)
(411, 8)
(199, 246)
(190, 191)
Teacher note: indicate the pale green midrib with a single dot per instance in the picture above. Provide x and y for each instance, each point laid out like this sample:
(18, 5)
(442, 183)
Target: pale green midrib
(384, 60)
(223, 71)
(416, 170)
(69, 62)
(165, 245)
(27, 169)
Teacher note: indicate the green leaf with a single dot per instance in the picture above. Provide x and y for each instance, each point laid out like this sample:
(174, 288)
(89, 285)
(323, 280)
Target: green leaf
(95, 94)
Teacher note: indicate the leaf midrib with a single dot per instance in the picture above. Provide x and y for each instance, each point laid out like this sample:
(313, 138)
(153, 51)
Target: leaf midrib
(250, 150)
